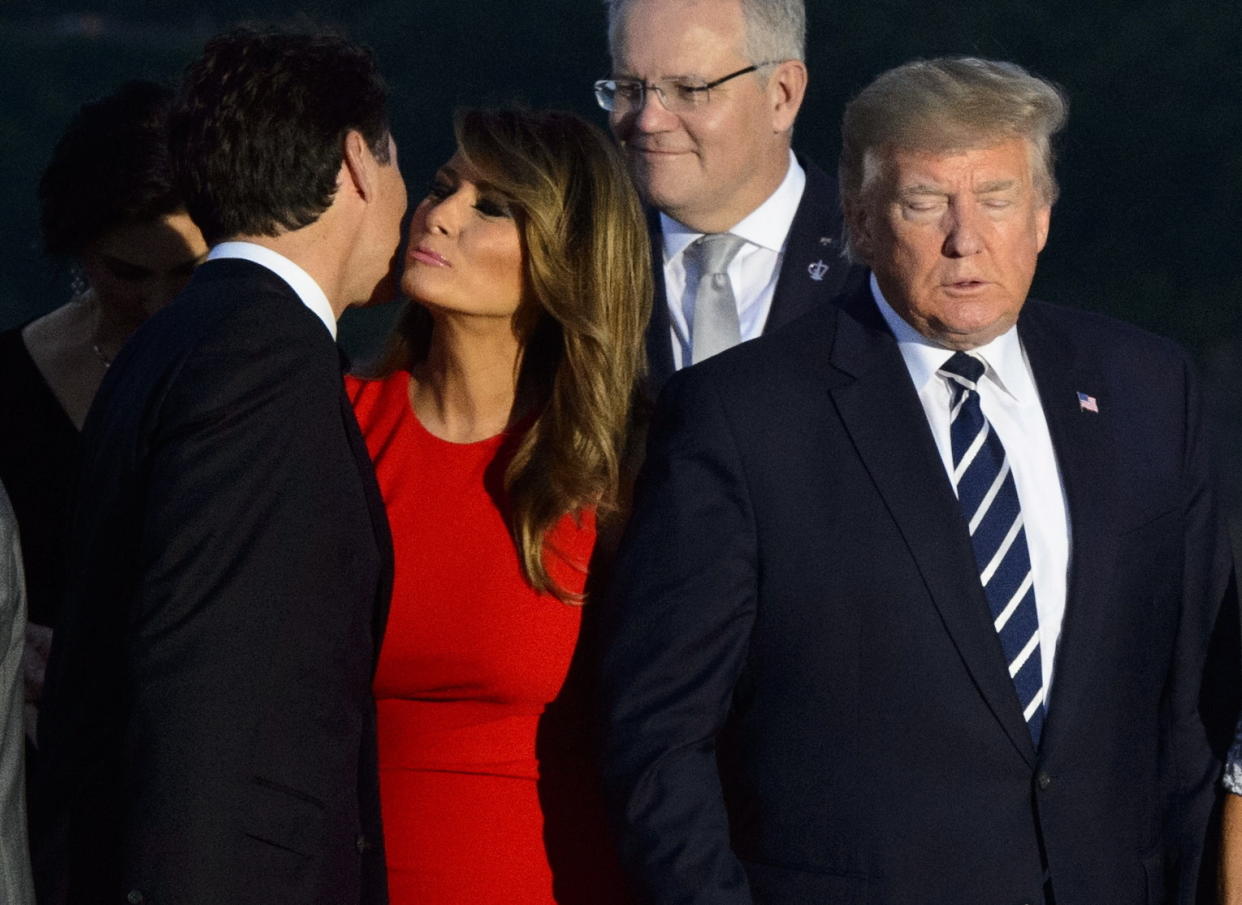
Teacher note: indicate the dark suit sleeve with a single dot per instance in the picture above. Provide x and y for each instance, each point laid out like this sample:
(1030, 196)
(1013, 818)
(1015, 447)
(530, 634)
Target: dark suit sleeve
(676, 631)
(228, 583)
(246, 619)
(1203, 686)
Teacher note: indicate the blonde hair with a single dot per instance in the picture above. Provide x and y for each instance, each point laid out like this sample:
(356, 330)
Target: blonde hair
(587, 273)
(949, 103)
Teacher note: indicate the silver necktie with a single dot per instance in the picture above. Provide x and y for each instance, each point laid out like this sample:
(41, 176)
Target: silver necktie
(715, 325)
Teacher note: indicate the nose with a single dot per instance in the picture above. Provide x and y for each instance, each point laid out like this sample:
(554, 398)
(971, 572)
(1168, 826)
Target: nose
(652, 116)
(962, 236)
(439, 215)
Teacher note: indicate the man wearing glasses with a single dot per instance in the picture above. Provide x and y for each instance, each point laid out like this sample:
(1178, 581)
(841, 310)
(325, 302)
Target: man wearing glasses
(703, 99)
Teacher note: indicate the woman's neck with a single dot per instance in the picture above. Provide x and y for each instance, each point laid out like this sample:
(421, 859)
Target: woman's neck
(72, 347)
(464, 390)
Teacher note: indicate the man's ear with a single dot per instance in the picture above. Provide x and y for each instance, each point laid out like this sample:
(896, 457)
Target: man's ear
(786, 89)
(858, 221)
(358, 166)
(1043, 219)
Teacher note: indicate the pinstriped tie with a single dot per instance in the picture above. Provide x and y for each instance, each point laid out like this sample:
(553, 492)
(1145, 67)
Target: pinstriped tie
(989, 501)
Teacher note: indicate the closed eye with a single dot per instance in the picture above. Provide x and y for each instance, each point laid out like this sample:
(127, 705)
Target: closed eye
(439, 189)
(491, 207)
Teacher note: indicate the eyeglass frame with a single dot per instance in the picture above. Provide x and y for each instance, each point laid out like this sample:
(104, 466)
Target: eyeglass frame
(650, 86)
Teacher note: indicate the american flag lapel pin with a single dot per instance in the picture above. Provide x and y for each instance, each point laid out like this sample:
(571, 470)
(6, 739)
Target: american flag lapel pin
(1087, 403)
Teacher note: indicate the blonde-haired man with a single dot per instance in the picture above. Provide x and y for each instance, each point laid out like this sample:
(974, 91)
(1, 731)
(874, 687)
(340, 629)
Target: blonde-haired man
(925, 599)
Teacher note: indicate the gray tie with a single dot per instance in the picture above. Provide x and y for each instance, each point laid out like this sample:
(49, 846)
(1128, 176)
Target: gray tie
(715, 309)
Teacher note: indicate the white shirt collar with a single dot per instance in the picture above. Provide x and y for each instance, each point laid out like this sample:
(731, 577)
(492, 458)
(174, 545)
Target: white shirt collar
(301, 282)
(1003, 356)
(766, 226)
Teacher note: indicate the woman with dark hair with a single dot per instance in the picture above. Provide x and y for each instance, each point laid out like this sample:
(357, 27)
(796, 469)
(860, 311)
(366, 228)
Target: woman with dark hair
(108, 204)
(499, 424)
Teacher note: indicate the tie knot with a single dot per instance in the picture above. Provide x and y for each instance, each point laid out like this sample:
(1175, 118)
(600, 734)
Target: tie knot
(714, 251)
(963, 368)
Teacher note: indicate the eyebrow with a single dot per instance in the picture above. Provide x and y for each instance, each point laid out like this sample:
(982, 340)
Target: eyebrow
(453, 173)
(663, 78)
(996, 185)
(986, 188)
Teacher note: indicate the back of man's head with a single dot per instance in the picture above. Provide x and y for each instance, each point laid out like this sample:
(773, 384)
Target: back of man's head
(256, 133)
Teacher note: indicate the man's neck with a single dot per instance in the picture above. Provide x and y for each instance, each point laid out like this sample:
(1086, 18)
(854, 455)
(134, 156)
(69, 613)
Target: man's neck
(304, 285)
(308, 249)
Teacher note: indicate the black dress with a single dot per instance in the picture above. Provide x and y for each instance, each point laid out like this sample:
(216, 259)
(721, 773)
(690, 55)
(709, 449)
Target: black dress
(40, 452)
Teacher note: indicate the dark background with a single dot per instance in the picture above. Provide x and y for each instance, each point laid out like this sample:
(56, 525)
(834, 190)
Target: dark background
(1150, 168)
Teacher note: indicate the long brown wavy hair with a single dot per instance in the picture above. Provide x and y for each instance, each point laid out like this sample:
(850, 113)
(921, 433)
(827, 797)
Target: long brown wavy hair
(588, 289)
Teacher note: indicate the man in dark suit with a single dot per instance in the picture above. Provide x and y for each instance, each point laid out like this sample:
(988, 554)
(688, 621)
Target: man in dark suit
(209, 725)
(925, 598)
(745, 235)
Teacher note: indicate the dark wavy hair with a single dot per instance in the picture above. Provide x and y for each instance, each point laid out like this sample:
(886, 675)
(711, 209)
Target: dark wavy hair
(257, 130)
(110, 168)
(587, 272)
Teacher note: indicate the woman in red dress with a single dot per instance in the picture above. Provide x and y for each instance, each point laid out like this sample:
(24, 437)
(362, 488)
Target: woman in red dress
(498, 425)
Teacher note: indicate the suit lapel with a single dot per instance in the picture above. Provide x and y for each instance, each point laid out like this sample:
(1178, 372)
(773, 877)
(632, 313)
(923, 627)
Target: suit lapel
(659, 329)
(813, 269)
(888, 427)
(1083, 442)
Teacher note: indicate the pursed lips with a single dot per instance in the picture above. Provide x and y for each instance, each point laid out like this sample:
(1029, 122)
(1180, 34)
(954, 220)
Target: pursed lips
(426, 256)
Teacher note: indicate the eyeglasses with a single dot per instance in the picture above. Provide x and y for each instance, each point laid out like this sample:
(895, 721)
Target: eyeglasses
(680, 95)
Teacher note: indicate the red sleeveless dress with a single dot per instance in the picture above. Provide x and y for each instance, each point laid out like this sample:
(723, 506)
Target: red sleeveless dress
(488, 786)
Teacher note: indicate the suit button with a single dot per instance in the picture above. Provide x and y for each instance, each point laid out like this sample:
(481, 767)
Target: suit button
(1043, 780)
(363, 844)
(135, 897)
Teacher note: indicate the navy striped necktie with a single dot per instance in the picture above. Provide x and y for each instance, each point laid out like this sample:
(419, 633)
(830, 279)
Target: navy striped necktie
(989, 500)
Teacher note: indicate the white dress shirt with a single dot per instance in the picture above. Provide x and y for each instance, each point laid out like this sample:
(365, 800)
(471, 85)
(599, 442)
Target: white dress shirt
(753, 272)
(298, 279)
(1010, 402)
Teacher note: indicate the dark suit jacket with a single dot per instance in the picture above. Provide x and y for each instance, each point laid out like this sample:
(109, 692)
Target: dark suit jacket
(208, 718)
(806, 700)
(814, 239)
